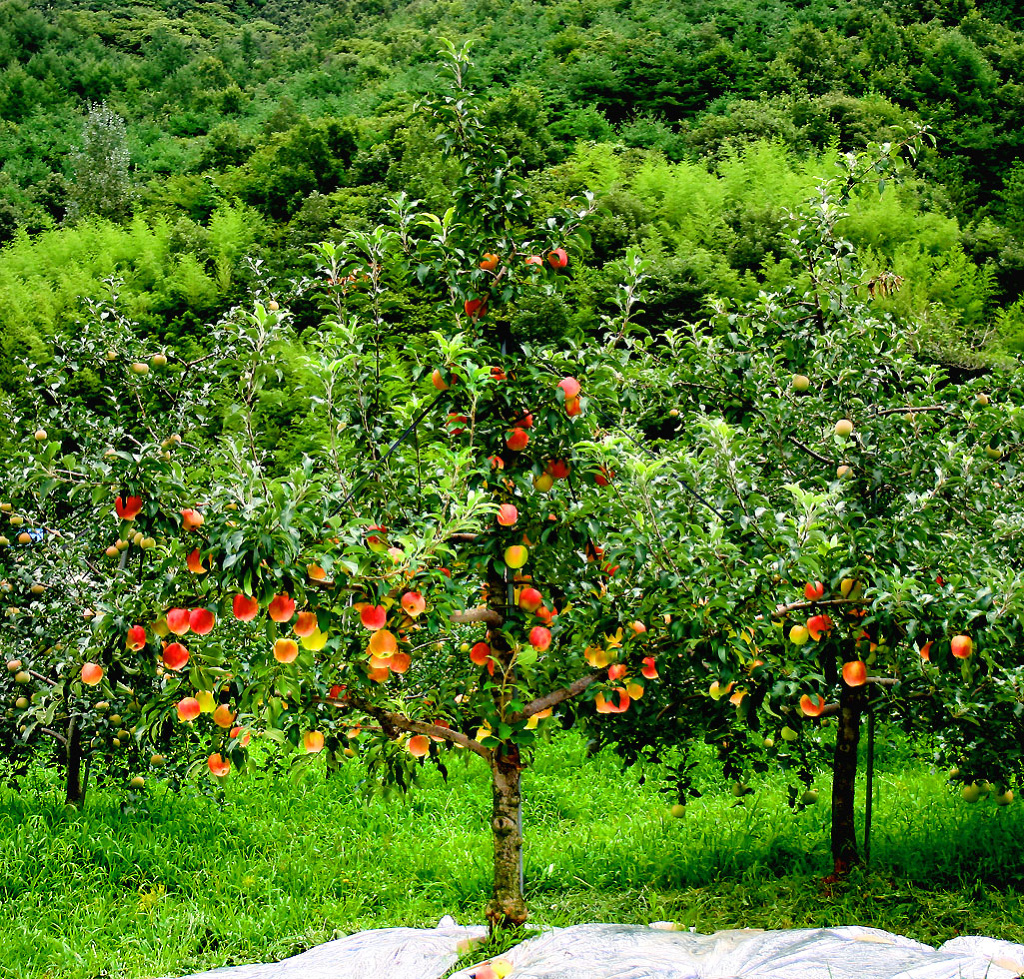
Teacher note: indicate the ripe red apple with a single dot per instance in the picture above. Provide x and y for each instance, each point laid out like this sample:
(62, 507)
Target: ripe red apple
(245, 608)
(507, 515)
(281, 608)
(419, 745)
(518, 439)
(961, 646)
(305, 624)
(400, 662)
(534, 260)
(817, 625)
(191, 519)
(175, 656)
(558, 258)
(92, 673)
(480, 653)
(855, 673)
(188, 709)
(525, 421)
(530, 599)
(572, 407)
(926, 651)
(540, 638)
(223, 716)
(128, 509)
(178, 621)
(616, 671)
(812, 706)
(238, 732)
(218, 766)
(136, 638)
(194, 562)
(489, 262)
(475, 308)
(373, 617)
(437, 379)
(558, 469)
(570, 387)
(649, 669)
(413, 604)
(201, 621)
(813, 591)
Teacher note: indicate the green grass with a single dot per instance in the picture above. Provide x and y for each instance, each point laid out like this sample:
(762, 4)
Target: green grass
(180, 883)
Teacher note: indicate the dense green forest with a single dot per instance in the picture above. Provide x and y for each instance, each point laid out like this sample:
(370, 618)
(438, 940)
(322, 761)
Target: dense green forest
(168, 145)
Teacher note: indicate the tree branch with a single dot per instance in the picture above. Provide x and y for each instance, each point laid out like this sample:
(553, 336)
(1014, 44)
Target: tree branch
(391, 722)
(783, 610)
(554, 698)
(804, 448)
(485, 615)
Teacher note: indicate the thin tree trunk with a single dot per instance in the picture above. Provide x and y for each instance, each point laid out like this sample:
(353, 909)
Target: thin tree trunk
(852, 702)
(508, 907)
(74, 790)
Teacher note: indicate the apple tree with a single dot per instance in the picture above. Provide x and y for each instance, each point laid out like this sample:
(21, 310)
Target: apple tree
(828, 520)
(431, 577)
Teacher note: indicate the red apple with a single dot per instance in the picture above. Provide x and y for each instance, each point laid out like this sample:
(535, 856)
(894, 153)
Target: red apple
(961, 646)
(245, 608)
(188, 709)
(201, 621)
(218, 766)
(540, 638)
(305, 624)
(437, 379)
(813, 591)
(558, 258)
(489, 262)
(175, 656)
(558, 469)
(373, 617)
(570, 387)
(223, 716)
(178, 621)
(649, 669)
(414, 604)
(518, 439)
(616, 671)
(92, 673)
(419, 745)
(855, 673)
(281, 608)
(191, 519)
(812, 706)
(507, 515)
(475, 308)
(572, 407)
(128, 509)
(480, 653)
(400, 662)
(136, 638)
(530, 599)
(194, 562)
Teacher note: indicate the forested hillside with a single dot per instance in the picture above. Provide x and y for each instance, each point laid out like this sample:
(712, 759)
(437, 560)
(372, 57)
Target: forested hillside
(165, 143)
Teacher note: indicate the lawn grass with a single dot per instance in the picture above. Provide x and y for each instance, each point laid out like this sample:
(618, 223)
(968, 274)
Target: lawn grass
(181, 883)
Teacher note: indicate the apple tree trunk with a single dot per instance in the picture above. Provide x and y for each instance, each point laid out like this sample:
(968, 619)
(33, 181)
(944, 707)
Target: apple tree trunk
(852, 701)
(508, 907)
(73, 788)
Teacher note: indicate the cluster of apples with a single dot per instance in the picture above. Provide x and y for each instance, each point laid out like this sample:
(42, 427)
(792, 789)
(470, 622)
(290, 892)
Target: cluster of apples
(629, 690)
(382, 649)
(557, 258)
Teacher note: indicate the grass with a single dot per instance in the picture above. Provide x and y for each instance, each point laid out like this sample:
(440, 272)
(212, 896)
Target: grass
(181, 883)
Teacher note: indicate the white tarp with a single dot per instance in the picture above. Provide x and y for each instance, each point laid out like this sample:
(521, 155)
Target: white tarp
(638, 952)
